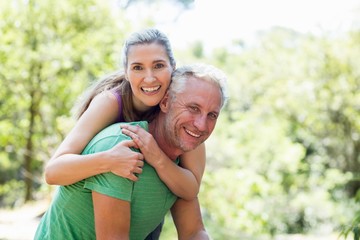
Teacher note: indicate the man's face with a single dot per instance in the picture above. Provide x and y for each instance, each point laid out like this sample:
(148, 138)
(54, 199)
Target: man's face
(191, 117)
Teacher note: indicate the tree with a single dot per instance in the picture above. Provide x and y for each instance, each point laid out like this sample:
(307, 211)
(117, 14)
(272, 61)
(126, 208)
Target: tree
(49, 52)
(278, 161)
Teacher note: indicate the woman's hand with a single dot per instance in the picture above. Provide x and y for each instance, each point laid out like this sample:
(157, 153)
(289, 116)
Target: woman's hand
(125, 162)
(146, 143)
(183, 181)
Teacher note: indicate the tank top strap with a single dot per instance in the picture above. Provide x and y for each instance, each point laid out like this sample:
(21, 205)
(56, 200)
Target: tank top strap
(120, 117)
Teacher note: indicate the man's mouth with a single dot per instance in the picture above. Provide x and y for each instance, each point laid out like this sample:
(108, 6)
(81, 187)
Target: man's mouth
(192, 133)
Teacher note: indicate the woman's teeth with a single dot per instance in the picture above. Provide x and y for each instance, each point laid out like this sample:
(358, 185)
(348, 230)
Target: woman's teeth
(150, 89)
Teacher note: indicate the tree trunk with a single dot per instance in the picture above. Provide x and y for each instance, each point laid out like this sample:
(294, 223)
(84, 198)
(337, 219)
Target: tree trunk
(29, 149)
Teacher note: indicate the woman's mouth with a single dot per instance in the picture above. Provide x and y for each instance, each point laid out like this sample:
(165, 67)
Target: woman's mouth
(150, 89)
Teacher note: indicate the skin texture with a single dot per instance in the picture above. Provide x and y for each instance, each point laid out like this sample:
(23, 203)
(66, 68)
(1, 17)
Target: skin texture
(181, 126)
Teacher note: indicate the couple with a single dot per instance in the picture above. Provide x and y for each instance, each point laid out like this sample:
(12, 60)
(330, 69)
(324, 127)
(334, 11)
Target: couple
(113, 206)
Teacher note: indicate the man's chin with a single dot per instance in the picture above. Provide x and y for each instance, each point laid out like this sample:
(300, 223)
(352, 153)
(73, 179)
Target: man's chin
(189, 143)
(190, 146)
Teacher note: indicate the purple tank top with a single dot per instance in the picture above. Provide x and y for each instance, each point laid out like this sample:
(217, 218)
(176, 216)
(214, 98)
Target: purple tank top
(118, 98)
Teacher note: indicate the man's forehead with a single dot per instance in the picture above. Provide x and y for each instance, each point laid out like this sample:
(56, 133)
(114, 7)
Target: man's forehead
(194, 84)
(202, 92)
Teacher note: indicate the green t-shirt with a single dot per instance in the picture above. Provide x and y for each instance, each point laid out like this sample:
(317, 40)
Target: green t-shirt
(71, 214)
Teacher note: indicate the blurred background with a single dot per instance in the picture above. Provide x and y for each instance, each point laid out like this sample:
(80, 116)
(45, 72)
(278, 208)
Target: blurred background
(284, 160)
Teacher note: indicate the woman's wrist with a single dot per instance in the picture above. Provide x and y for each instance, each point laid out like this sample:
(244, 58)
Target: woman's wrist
(102, 163)
(161, 163)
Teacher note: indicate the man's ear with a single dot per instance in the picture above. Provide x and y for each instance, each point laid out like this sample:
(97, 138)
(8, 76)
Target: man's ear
(164, 103)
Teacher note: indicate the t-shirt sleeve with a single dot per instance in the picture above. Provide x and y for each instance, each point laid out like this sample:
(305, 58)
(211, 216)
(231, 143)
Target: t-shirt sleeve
(111, 185)
(108, 183)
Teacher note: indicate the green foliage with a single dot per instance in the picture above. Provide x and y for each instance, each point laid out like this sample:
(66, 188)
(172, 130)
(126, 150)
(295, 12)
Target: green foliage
(9, 193)
(48, 57)
(281, 154)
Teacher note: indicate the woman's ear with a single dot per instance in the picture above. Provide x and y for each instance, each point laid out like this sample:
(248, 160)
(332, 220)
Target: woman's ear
(164, 103)
(126, 75)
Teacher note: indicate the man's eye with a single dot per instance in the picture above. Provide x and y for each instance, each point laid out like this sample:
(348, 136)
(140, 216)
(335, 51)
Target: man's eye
(213, 116)
(194, 109)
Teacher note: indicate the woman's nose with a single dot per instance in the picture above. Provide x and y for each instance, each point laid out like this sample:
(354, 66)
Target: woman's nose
(149, 77)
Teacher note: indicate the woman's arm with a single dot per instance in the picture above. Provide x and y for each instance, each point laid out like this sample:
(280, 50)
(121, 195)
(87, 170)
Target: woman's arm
(67, 166)
(183, 181)
(112, 217)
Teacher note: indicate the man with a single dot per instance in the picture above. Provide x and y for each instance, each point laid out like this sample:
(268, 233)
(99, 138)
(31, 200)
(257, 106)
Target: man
(123, 209)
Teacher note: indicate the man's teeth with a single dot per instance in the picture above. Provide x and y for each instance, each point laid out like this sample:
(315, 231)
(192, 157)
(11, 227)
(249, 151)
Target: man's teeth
(152, 89)
(192, 134)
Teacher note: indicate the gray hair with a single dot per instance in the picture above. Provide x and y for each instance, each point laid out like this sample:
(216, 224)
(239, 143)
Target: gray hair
(147, 36)
(204, 72)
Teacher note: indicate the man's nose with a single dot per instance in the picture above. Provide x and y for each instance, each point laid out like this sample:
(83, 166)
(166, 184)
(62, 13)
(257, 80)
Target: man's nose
(201, 123)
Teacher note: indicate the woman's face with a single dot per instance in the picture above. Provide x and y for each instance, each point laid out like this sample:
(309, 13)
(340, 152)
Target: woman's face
(149, 73)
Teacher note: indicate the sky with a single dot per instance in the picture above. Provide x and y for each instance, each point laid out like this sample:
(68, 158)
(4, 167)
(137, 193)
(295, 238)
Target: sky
(218, 22)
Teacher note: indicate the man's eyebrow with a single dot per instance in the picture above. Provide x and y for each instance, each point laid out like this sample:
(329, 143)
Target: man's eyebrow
(215, 112)
(194, 104)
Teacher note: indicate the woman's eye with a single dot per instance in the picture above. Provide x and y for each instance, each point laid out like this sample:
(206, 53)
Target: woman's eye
(137, 68)
(159, 65)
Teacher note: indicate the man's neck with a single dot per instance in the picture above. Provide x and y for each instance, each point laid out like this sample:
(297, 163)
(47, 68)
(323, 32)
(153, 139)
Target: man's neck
(157, 129)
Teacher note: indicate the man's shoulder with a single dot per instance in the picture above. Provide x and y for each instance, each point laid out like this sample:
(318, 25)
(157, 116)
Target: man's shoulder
(115, 129)
(109, 137)
(105, 139)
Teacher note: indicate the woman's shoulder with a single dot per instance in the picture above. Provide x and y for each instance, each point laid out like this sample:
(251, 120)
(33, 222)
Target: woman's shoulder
(107, 95)
(111, 100)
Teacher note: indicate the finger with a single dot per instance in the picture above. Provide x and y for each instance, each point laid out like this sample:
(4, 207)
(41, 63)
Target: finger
(131, 128)
(138, 170)
(138, 142)
(133, 177)
(140, 163)
(129, 143)
(126, 132)
(134, 137)
(129, 133)
(140, 157)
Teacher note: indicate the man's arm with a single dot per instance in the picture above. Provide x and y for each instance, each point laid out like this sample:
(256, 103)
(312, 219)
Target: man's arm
(112, 217)
(188, 220)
